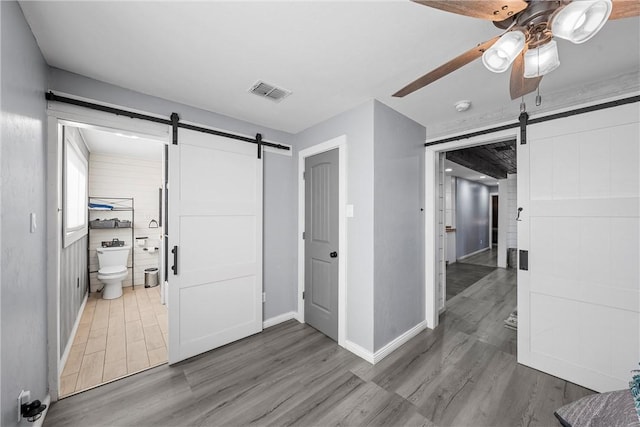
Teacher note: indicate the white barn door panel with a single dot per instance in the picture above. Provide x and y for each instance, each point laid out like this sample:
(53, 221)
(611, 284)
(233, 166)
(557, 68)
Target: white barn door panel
(579, 302)
(215, 220)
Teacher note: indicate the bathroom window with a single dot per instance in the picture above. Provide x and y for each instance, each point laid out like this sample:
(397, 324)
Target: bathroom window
(75, 188)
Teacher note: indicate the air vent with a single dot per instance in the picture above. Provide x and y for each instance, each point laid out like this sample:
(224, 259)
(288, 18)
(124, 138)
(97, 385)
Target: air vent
(265, 90)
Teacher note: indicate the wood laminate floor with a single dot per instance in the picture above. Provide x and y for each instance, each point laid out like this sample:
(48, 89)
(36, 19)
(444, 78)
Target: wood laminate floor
(488, 258)
(116, 338)
(463, 373)
(460, 276)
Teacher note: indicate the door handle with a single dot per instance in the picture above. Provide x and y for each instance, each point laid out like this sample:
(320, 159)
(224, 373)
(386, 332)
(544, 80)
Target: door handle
(174, 251)
(333, 254)
(519, 212)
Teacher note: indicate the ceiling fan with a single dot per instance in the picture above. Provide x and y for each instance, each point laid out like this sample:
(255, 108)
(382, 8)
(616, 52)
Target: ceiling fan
(529, 28)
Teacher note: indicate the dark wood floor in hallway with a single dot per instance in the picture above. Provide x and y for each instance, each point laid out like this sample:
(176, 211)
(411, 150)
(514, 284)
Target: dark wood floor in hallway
(463, 373)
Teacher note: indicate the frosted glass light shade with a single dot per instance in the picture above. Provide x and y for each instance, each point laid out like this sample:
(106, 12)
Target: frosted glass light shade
(580, 20)
(542, 60)
(499, 56)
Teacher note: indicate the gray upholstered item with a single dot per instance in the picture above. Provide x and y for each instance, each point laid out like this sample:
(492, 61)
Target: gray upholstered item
(613, 409)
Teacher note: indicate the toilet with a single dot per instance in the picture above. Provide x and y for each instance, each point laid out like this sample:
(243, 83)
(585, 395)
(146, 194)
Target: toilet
(112, 270)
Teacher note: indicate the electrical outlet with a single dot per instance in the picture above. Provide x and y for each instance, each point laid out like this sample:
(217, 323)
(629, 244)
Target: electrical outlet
(264, 297)
(23, 397)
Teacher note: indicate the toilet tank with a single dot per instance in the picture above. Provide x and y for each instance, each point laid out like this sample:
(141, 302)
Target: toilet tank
(108, 257)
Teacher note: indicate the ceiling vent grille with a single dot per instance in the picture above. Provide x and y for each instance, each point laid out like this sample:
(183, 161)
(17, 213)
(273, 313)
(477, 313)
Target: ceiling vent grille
(265, 90)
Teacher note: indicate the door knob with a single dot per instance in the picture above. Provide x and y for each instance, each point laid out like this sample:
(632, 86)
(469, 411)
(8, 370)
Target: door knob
(333, 254)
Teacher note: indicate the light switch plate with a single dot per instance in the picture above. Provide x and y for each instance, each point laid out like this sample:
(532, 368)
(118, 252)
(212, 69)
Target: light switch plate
(349, 211)
(34, 225)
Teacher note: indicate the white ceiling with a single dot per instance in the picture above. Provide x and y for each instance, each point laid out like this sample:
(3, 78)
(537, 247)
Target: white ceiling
(121, 144)
(332, 55)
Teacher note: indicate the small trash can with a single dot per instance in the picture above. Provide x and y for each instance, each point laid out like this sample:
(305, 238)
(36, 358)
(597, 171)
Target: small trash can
(512, 258)
(150, 277)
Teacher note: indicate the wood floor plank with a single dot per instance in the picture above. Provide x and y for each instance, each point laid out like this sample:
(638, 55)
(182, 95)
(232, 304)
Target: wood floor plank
(74, 360)
(137, 357)
(134, 331)
(91, 370)
(157, 356)
(114, 369)
(153, 337)
(68, 384)
(464, 373)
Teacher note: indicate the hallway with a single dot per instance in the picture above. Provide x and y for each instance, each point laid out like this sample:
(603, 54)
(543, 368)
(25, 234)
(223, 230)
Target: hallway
(465, 272)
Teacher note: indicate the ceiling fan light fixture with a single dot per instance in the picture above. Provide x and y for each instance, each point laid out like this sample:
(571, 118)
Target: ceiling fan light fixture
(580, 20)
(541, 60)
(499, 56)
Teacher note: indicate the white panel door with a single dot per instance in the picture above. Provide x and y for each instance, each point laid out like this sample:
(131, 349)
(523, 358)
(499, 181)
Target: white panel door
(215, 221)
(579, 302)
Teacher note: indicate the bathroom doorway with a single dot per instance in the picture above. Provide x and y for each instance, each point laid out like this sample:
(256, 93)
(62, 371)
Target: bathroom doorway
(112, 314)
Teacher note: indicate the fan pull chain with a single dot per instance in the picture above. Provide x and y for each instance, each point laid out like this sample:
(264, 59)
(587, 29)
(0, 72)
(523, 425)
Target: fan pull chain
(538, 97)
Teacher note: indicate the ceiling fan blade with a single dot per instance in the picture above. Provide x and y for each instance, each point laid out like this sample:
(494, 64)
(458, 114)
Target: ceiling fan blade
(493, 10)
(519, 86)
(625, 9)
(446, 68)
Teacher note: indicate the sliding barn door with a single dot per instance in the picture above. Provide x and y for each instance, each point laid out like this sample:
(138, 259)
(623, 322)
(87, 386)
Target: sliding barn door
(215, 243)
(442, 235)
(579, 300)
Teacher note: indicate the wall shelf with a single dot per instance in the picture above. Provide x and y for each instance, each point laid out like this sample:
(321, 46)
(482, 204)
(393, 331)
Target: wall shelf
(103, 209)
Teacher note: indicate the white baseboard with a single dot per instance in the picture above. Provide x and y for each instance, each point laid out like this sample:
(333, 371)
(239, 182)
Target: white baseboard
(40, 421)
(359, 351)
(279, 319)
(67, 349)
(399, 341)
(474, 253)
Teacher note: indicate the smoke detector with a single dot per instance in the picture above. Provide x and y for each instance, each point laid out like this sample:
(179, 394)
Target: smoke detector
(269, 91)
(462, 105)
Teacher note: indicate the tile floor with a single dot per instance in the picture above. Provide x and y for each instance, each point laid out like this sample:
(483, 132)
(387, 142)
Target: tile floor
(116, 338)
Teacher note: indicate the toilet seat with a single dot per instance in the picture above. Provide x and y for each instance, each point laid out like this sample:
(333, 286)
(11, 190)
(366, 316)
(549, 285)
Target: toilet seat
(112, 272)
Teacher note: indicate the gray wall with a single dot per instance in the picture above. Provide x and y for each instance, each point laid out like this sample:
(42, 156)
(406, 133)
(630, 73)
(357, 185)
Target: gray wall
(73, 287)
(357, 125)
(279, 272)
(280, 251)
(472, 217)
(73, 268)
(398, 224)
(23, 265)
(385, 238)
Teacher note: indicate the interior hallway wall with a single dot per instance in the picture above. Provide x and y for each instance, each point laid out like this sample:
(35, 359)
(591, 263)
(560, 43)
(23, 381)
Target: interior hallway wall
(357, 125)
(472, 217)
(279, 274)
(398, 224)
(23, 79)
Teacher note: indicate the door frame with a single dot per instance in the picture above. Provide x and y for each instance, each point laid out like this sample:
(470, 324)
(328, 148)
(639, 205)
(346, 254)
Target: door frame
(340, 143)
(59, 114)
(432, 195)
(491, 196)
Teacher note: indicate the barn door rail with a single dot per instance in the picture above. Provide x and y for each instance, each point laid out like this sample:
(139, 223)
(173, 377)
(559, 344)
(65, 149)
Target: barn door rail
(524, 121)
(173, 121)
